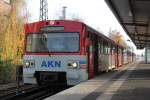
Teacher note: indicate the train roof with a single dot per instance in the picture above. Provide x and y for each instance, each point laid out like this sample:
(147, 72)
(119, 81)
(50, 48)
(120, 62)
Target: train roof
(45, 21)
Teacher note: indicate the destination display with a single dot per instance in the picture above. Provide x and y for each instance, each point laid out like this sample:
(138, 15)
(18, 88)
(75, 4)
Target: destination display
(52, 28)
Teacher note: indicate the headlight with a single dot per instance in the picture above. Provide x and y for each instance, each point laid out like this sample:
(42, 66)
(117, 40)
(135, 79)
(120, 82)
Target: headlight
(72, 64)
(29, 63)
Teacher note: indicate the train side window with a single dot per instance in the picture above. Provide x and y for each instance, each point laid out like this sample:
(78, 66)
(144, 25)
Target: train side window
(119, 51)
(99, 48)
(106, 49)
(87, 34)
(113, 50)
(102, 49)
(110, 49)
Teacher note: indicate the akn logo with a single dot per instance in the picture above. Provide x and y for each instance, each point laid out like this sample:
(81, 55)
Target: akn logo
(51, 64)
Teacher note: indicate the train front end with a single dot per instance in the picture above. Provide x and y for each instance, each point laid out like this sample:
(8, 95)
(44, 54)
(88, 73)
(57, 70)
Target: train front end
(53, 53)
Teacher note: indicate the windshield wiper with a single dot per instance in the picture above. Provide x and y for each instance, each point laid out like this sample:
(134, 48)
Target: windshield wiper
(45, 44)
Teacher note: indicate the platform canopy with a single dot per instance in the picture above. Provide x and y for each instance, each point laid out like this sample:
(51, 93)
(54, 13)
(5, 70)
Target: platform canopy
(134, 16)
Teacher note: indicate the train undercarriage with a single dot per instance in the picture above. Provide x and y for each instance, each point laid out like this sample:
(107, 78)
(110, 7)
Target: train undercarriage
(48, 77)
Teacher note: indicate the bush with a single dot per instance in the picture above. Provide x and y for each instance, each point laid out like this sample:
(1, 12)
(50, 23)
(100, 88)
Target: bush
(6, 71)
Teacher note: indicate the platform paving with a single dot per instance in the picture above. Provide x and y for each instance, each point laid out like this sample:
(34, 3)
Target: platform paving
(136, 86)
(131, 82)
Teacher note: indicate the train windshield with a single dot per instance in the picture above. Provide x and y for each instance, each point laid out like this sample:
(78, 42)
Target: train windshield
(53, 42)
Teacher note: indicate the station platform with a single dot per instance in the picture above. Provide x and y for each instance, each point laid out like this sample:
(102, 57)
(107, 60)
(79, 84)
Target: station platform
(129, 82)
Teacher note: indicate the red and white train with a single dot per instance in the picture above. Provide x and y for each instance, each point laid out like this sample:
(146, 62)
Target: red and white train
(68, 52)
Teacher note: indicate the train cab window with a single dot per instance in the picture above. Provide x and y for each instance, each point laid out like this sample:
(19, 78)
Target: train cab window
(53, 42)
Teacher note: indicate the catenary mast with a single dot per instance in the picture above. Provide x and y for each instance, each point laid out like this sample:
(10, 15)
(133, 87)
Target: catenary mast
(43, 10)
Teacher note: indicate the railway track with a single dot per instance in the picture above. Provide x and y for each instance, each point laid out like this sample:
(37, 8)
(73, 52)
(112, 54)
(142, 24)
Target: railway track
(31, 92)
(11, 92)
